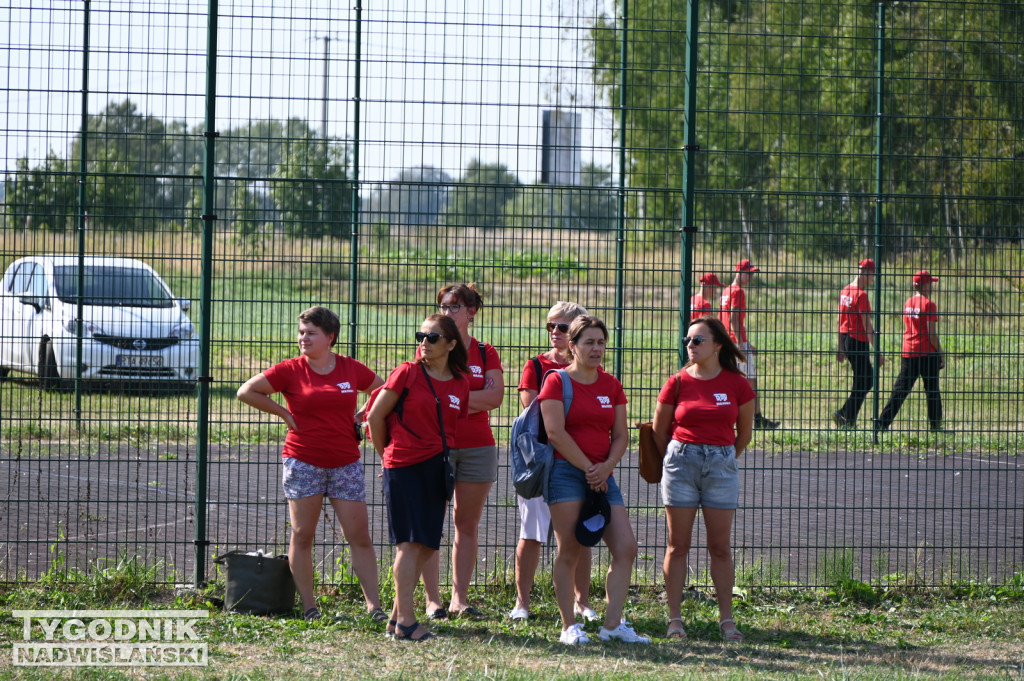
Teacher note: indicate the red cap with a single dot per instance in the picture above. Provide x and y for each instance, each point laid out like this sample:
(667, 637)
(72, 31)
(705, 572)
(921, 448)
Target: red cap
(867, 264)
(922, 277)
(711, 279)
(746, 266)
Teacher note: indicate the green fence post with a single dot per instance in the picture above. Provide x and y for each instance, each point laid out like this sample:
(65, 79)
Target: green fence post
(353, 269)
(689, 153)
(205, 285)
(83, 166)
(620, 245)
(879, 202)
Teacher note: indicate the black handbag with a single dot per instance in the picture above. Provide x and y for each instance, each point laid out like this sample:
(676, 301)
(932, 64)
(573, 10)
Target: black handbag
(449, 472)
(257, 584)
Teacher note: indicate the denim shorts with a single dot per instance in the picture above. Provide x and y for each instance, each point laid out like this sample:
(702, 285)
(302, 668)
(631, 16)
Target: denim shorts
(475, 464)
(302, 479)
(569, 483)
(700, 475)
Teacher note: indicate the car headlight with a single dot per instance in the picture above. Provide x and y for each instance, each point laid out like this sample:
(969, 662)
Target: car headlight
(88, 328)
(184, 331)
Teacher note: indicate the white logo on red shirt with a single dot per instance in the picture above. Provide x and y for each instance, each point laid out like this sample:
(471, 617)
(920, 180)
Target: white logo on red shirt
(345, 387)
(454, 402)
(476, 370)
(913, 312)
(845, 301)
(721, 399)
(604, 401)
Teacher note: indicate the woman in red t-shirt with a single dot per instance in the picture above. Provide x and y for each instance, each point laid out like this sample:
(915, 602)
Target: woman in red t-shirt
(321, 450)
(474, 455)
(534, 516)
(407, 435)
(703, 422)
(589, 442)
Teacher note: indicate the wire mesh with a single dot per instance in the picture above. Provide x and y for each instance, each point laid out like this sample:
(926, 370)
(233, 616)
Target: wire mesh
(363, 157)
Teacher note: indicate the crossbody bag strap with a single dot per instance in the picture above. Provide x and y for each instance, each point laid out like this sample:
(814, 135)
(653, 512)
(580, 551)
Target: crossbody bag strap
(539, 370)
(440, 418)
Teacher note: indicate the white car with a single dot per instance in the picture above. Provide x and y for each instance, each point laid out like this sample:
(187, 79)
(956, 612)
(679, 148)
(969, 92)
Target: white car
(134, 329)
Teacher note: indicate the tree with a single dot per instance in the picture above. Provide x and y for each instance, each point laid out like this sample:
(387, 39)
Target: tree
(479, 197)
(313, 190)
(591, 206)
(43, 197)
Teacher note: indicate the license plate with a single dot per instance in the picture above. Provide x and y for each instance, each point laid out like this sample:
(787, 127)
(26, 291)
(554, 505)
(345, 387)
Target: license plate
(140, 361)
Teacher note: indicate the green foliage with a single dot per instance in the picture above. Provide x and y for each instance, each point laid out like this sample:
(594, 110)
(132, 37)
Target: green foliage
(787, 124)
(312, 190)
(480, 196)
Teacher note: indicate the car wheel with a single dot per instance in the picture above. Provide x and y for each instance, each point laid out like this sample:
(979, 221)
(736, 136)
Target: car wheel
(49, 376)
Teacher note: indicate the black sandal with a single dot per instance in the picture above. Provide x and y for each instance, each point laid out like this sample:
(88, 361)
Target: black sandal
(405, 632)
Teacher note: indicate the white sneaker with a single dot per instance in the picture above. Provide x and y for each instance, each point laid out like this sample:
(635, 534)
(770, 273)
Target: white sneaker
(519, 614)
(574, 636)
(623, 633)
(587, 614)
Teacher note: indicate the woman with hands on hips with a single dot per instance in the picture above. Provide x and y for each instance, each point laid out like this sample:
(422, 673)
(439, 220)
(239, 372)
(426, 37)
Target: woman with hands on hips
(321, 450)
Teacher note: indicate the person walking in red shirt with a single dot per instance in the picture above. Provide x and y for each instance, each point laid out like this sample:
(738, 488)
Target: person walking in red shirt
(856, 336)
(922, 355)
(701, 304)
(733, 313)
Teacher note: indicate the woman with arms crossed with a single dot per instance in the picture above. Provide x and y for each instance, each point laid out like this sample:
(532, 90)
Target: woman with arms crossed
(589, 441)
(474, 455)
(411, 448)
(703, 422)
(321, 452)
(534, 516)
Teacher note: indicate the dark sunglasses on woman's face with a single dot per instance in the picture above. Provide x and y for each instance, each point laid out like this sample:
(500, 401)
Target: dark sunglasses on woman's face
(431, 337)
(561, 326)
(695, 340)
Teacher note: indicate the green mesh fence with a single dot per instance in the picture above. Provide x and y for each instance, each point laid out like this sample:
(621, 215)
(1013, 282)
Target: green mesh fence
(266, 157)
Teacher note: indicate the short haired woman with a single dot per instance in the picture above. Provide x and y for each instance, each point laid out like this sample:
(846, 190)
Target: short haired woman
(534, 516)
(321, 450)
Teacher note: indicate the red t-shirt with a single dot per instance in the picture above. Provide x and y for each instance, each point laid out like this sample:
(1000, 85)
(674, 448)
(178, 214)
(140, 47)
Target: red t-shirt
(917, 311)
(529, 380)
(323, 406)
(592, 413)
(416, 436)
(853, 302)
(734, 301)
(476, 430)
(707, 410)
(700, 307)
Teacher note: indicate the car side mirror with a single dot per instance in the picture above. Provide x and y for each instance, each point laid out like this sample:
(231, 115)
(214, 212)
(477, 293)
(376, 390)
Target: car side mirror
(29, 299)
(185, 305)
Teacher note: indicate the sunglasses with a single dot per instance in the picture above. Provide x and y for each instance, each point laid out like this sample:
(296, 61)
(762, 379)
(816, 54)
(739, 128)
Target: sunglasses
(453, 308)
(561, 326)
(431, 337)
(694, 340)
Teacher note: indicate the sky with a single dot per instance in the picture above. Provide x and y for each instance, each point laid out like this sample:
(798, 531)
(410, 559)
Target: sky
(441, 82)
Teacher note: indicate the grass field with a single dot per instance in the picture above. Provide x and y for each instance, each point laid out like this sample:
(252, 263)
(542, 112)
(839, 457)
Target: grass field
(256, 295)
(849, 631)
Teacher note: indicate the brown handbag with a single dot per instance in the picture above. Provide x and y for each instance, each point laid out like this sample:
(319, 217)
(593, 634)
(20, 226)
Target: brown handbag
(651, 458)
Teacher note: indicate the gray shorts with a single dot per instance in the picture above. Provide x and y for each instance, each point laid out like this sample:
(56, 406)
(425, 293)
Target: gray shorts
(475, 464)
(748, 368)
(700, 475)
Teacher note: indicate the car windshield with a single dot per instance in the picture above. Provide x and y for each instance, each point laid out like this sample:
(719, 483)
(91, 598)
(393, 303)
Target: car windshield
(112, 286)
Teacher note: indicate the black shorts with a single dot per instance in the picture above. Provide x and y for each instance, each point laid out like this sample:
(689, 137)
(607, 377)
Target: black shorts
(414, 496)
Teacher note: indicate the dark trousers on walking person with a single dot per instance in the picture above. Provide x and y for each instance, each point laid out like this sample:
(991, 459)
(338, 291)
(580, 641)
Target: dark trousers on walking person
(858, 354)
(927, 368)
